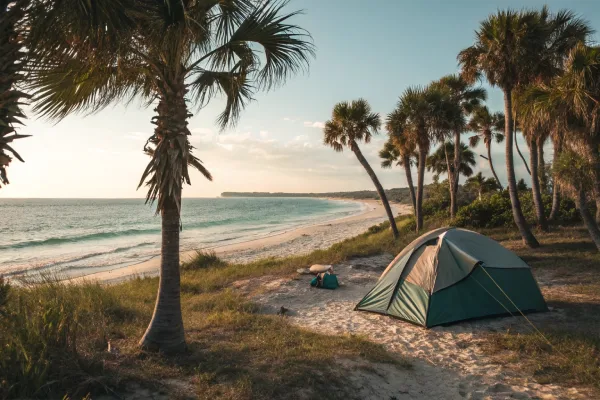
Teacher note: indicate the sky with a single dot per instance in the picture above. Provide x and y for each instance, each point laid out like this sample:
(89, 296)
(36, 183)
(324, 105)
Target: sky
(374, 52)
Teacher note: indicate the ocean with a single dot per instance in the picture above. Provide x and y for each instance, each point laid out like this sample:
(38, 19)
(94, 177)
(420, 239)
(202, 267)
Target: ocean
(80, 236)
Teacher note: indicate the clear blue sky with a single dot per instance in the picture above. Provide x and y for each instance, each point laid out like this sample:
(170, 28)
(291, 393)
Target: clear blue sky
(364, 49)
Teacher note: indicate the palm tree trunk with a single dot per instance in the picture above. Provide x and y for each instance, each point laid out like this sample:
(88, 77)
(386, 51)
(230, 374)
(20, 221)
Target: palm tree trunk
(165, 332)
(535, 186)
(587, 218)
(519, 150)
(420, 181)
(489, 153)
(451, 178)
(595, 158)
(378, 187)
(409, 180)
(555, 186)
(542, 166)
(592, 148)
(526, 234)
(456, 177)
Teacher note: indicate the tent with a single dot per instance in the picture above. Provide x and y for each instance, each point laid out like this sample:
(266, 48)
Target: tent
(449, 275)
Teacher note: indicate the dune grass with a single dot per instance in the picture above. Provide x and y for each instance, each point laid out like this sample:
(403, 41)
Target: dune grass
(569, 265)
(54, 336)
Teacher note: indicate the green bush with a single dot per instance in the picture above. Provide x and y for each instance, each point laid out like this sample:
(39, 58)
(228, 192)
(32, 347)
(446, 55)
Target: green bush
(489, 212)
(203, 259)
(496, 211)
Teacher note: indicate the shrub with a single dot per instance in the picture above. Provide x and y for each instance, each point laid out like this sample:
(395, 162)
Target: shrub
(203, 259)
(496, 211)
(489, 212)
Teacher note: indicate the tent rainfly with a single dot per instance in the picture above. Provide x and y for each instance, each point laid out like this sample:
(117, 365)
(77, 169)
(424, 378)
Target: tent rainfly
(449, 275)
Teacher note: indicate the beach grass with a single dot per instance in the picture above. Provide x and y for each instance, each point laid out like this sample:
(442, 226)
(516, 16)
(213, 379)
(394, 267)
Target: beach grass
(54, 337)
(568, 264)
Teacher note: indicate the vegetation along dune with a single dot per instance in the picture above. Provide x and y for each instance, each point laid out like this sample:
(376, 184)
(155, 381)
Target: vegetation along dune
(360, 224)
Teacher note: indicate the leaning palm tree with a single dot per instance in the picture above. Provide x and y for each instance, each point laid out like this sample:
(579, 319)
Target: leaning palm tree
(439, 161)
(489, 128)
(481, 184)
(12, 55)
(512, 49)
(467, 97)
(353, 122)
(175, 55)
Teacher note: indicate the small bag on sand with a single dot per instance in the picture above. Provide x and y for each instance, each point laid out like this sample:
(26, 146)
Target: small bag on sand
(325, 280)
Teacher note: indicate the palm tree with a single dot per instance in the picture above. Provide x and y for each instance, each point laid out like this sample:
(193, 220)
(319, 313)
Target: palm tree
(575, 174)
(392, 154)
(414, 114)
(11, 66)
(490, 128)
(405, 148)
(351, 123)
(481, 184)
(439, 162)
(176, 55)
(533, 141)
(467, 97)
(574, 97)
(557, 141)
(512, 49)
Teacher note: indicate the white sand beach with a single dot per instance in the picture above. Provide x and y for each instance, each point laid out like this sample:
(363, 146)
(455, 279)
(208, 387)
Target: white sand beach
(295, 241)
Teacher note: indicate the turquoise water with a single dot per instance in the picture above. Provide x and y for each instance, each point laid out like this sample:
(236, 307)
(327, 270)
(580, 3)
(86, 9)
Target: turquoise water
(65, 235)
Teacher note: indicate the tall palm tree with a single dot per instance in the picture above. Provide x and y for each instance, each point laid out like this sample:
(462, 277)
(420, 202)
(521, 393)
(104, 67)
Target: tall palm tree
(174, 55)
(392, 154)
(405, 147)
(481, 184)
(439, 161)
(12, 55)
(414, 113)
(575, 97)
(353, 122)
(467, 97)
(512, 49)
(490, 128)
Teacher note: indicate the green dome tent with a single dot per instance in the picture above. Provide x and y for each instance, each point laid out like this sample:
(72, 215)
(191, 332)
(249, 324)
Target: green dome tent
(449, 275)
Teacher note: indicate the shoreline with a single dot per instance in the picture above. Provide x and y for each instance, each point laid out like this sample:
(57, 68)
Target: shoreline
(297, 240)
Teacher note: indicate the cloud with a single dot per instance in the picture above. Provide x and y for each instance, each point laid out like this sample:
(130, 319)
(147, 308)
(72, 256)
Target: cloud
(316, 124)
(289, 119)
(228, 147)
(138, 136)
(264, 134)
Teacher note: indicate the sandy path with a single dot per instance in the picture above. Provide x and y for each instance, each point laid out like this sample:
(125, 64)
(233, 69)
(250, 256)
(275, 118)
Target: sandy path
(295, 241)
(448, 362)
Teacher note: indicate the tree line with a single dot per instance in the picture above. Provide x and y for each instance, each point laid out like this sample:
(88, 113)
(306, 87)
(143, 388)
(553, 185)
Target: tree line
(549, 73)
